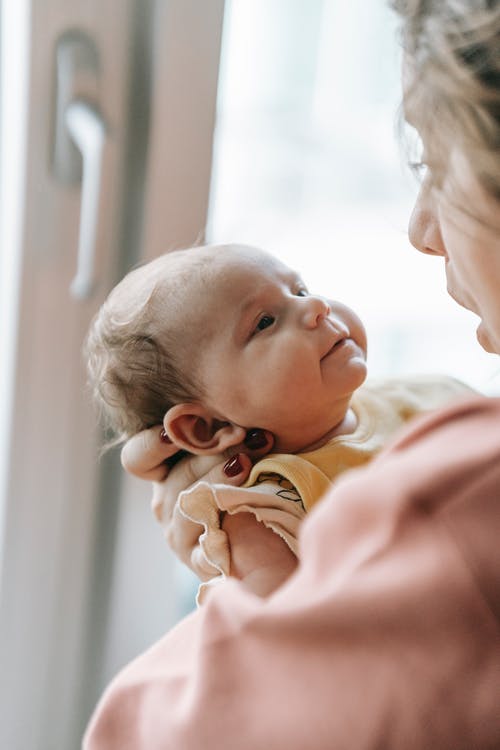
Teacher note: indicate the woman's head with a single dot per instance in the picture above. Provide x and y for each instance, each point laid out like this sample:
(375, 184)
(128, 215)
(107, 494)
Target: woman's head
(451, 87)
(452, 83)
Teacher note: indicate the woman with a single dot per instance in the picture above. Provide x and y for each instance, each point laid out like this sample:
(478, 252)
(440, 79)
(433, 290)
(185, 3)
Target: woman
(387, 635)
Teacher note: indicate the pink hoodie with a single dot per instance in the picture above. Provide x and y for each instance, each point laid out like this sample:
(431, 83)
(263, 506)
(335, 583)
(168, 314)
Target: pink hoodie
(386, 637)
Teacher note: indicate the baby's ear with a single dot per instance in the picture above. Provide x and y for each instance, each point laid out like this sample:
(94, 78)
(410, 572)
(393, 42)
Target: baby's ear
(194, 428)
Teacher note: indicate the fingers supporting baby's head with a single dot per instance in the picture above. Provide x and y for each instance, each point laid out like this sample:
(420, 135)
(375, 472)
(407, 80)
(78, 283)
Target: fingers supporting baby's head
(144, 455)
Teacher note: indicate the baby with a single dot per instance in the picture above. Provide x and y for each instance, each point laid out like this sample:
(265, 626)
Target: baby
(215, 340)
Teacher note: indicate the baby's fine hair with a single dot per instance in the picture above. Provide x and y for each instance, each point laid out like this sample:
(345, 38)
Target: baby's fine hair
(453, 47)
(132, 347)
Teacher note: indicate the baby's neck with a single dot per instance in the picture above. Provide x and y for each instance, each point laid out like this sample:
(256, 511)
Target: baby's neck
(346, 427)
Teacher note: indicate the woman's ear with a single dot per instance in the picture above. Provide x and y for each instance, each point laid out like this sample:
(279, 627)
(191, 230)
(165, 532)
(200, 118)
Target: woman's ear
(192, 427)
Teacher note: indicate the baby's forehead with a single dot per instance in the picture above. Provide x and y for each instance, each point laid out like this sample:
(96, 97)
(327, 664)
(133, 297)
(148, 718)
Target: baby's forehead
(221, 267)
(245, 265)
(185, 283)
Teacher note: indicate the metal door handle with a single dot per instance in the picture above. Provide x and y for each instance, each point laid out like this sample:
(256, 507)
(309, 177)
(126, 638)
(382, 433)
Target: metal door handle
(88, 132)
(79, 140)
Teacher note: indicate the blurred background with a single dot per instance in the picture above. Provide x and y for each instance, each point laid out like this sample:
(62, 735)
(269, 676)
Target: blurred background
(129, 127)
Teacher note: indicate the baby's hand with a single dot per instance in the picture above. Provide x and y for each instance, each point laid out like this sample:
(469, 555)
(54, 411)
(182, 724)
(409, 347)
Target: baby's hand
(147, 454)
(259, 557)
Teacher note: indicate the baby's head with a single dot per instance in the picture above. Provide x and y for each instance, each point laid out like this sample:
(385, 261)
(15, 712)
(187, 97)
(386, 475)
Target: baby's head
(215, 340)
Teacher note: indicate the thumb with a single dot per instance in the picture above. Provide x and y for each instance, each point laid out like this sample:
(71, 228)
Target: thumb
(240, 458)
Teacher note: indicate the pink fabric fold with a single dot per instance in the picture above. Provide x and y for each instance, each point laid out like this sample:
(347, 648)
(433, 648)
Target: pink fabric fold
(387, 636)
(204, 504)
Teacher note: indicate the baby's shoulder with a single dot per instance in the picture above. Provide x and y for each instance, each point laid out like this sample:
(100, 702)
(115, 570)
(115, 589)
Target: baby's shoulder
(413, 394)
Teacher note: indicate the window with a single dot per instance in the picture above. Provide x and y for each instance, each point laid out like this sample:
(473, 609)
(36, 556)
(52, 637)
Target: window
(308, 165)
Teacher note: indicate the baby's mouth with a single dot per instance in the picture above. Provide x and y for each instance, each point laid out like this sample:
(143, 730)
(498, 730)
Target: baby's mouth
(335, 346)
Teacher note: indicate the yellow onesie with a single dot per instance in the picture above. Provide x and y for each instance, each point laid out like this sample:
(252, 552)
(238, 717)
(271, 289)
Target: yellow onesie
(282, 487)
(381, 408)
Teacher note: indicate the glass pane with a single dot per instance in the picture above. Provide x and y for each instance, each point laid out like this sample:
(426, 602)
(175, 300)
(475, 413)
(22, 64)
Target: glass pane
(308, 165)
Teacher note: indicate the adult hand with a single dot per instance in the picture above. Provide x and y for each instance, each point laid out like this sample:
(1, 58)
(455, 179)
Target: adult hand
(151, 455)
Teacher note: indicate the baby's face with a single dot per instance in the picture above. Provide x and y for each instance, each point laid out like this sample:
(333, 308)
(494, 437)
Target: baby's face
(269, 353)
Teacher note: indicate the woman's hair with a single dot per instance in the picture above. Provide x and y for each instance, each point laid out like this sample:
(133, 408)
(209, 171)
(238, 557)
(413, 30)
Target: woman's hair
(452, 51)
(132, 351)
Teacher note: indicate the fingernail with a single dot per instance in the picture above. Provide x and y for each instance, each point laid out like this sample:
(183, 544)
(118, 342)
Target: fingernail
(233, 467)
(255, 439)
(164, 437)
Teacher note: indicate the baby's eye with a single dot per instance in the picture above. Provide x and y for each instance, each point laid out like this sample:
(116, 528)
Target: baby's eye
(301, 293)
(264, 322)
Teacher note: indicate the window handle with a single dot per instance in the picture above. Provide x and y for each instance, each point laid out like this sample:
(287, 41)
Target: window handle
(79, 144)
(88, 132)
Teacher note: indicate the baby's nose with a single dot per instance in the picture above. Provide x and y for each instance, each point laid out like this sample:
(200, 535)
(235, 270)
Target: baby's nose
(315, 310)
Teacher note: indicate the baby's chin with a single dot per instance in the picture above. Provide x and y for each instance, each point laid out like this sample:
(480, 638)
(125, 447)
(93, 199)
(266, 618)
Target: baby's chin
(485, 341)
